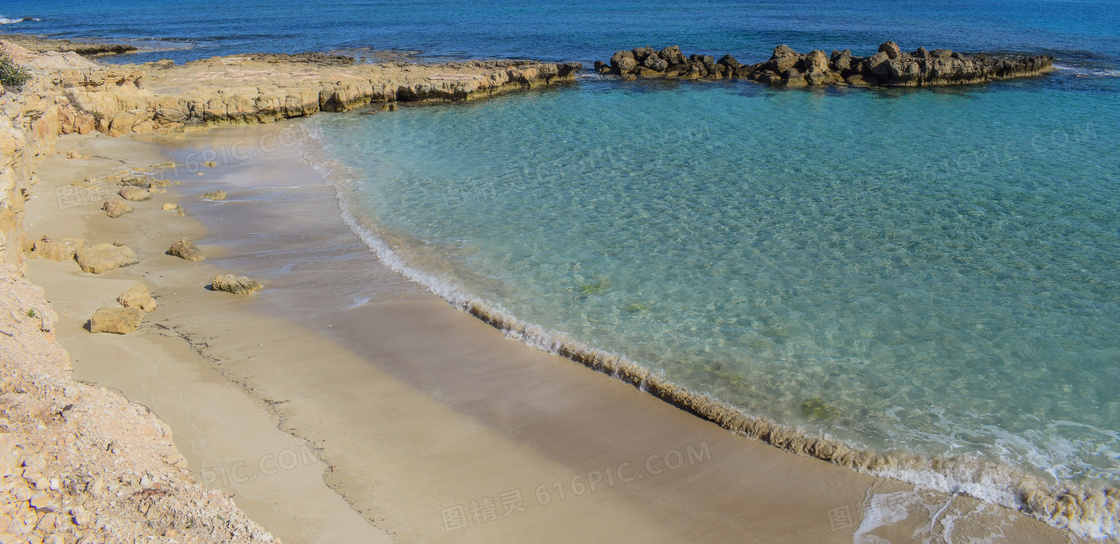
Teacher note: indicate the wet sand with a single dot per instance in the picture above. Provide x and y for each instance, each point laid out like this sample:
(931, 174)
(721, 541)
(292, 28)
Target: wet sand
(346, 404)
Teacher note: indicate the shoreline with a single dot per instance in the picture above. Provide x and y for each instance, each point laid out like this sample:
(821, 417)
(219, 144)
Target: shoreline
(401, 328)
(420, 399)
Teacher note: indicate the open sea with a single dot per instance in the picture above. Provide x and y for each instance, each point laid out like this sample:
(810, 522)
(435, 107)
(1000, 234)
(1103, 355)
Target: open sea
(933, 271)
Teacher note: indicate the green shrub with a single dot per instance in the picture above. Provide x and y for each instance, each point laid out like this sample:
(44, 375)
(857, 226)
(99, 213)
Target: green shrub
(12, 75)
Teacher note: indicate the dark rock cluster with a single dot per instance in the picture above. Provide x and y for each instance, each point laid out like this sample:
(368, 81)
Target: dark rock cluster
(890, 67)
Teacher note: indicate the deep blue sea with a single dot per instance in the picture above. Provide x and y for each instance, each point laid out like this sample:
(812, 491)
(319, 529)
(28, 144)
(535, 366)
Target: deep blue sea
(935, 271)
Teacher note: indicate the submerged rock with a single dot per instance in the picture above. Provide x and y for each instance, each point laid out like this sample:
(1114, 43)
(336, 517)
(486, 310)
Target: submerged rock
(889, 67)
(184, 249)
(115, 320)
(238, 285)
(213, 195)
(101, 258)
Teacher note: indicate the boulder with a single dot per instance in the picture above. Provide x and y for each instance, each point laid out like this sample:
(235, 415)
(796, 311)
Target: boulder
(238, 285)
(783, 51)
(115, 208)
(135, 194)
(841, 60)
(115, 320)
(878, 65)
(891, 49)
(655, 62)
(815, 61)
(184, 249)
(62, 249)
(730, 62)
(794, 78)
(101, 258)
(623, 62)
(904, 70)
(643, 53)
(941, 53)
(138, 298)
(213, 195)
(673, 55)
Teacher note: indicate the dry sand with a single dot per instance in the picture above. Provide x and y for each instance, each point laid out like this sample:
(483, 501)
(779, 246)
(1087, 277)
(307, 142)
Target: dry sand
(346, 404)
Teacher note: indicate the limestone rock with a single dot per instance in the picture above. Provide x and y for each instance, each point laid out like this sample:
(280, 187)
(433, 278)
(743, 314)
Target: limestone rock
(62, 249)
(169, 206)
(115, 208)
(623, 62)
(138, 298)
(891, 49)
(213, 195)
(890, 66)
(115, 320)
(816, 61)
(101, 258)
(238, 285)
(135, 194)
(184, 249)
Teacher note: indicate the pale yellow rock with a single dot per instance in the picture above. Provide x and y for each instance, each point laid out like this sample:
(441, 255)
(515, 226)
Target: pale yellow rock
(213, 195)
(238, 285)
(101, 258)
(115, 320)
(169, 206)
(138, 298)
(135, 194)
(62, 249)
(116, 208)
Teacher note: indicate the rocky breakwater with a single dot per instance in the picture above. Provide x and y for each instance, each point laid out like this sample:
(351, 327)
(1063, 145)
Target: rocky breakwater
(889, 67)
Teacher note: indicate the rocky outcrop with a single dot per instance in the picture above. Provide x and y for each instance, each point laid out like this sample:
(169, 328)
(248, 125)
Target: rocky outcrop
(185, 250)
(68, 94)
(86, 49)
(889, 67)
(101, 258)
(238, 285)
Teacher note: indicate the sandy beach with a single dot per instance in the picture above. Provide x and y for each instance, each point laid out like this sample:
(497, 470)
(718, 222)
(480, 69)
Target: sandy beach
(344, 403)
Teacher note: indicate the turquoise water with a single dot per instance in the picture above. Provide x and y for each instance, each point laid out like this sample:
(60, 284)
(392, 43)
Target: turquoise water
(940, 269)
(934, 271)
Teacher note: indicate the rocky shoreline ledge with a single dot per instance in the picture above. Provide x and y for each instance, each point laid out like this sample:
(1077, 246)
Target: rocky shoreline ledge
(39, 44)
(889, 67)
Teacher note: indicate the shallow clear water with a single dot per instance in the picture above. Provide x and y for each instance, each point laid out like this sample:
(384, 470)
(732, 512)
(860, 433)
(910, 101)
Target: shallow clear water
(932, 270)
(1082, 32)
(940, 269)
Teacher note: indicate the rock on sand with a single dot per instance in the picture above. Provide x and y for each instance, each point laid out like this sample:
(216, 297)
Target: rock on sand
(115, 320)
(101, 258)
(238, 285)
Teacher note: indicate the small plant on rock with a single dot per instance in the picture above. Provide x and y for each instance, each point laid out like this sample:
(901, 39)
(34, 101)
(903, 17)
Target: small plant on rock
(12, 75)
